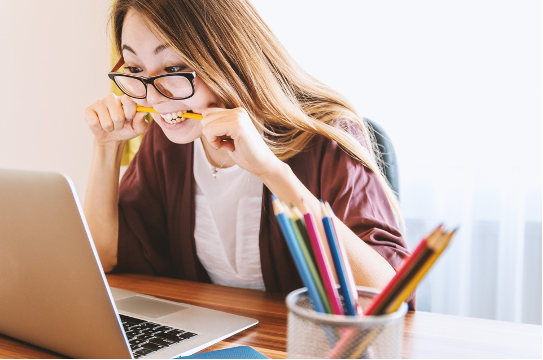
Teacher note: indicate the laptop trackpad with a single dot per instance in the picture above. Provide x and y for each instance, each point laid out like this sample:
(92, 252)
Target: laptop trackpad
(147, 307)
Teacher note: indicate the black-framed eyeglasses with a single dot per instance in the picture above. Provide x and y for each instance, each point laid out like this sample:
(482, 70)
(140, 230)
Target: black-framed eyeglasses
(178, 86)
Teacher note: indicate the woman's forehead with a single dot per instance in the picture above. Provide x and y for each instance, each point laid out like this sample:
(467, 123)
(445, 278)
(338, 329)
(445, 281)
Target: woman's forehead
(137, 36)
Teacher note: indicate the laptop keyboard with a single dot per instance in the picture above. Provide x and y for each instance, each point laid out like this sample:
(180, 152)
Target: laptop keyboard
(146, 337)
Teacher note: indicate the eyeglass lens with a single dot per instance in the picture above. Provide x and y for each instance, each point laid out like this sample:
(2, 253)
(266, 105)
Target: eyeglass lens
(170, 86)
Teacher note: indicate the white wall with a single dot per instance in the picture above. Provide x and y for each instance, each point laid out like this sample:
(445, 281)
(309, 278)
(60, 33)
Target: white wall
(438, 75)
(53, 61)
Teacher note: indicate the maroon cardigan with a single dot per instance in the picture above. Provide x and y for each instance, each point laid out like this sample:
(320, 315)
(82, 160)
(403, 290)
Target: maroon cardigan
(157, 211)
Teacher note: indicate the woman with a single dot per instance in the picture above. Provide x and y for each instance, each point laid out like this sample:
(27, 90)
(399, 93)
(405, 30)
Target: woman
(195, 201)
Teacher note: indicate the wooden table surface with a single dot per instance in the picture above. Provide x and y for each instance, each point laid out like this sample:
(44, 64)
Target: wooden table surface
(426, 335)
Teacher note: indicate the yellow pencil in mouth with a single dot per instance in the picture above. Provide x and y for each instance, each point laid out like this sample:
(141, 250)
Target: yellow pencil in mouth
(187, 115)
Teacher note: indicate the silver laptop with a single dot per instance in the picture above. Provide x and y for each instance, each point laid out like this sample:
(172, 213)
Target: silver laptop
(53, 292)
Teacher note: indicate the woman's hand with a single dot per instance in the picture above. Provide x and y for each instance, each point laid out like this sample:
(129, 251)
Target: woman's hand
(107, 119)
(233, 130)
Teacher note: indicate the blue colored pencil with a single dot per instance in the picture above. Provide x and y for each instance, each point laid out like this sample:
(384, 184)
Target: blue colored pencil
(349, 272)
(297, 255)
(341, 264)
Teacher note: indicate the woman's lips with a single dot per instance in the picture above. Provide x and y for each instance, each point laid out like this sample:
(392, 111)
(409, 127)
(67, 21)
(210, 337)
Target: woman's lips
(170, 125)
(173, 117)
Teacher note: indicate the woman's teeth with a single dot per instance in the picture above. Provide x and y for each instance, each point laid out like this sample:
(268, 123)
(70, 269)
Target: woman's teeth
(174, 118)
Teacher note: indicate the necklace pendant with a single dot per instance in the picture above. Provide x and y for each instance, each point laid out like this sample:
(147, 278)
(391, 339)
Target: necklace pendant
(215, 171)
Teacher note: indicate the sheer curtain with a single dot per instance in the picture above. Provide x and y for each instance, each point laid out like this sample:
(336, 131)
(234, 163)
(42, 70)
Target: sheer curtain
(492, 268)
(457, 87)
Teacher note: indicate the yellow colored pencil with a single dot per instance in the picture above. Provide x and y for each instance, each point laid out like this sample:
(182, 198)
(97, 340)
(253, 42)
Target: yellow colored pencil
(363, 346)
(187, 115)
(395, 305)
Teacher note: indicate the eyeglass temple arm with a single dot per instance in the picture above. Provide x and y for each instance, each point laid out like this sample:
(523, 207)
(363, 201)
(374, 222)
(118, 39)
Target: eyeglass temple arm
(118, 64)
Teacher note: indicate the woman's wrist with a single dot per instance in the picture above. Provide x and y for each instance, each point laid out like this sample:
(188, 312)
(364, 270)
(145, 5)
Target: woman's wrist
(109, 145)
(106, 159)
(275, 171)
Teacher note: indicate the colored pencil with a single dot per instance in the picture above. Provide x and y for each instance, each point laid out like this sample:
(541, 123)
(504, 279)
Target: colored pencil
(187, 115)
(300, 221)
(380, 301)
(348, 270)
(299, 229)
(339, 264)
(297, 255)
(322, 261)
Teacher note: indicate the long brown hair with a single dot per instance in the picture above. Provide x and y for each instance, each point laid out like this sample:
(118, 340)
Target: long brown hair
(234, 52)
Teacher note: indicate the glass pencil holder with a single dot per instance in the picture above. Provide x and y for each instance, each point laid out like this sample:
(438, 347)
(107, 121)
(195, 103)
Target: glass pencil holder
(313, 335)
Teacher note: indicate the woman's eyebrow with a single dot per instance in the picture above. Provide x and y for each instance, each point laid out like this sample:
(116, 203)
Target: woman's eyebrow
(126, 47)
(160, 48)
(157, 50)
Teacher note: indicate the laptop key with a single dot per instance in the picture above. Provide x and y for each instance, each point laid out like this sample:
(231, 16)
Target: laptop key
(142, 352)
(161, 328)
(130, 334)
(158, 341)
(131, 320)
(147, 333)
(176, 332)
(168, 336)
(152, 347)
(186, 335)
(148, 327)
(135, 342)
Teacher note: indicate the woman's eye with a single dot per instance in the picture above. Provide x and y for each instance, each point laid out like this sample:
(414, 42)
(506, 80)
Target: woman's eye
(174, 69)
(133, 69)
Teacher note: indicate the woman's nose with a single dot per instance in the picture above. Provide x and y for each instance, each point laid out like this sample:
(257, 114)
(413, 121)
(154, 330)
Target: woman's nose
(153, 96)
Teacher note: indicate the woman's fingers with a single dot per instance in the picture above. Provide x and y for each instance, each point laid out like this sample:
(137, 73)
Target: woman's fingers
(129, 107)
(219, 130)
(92, 119)
(140, 124)
(221, 126)
(104, 115)
(107, 119)
(116, 113)
(207, 112)
(227, 145)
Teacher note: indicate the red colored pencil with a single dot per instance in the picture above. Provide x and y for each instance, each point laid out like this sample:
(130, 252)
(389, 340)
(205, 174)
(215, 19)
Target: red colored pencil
(322, 261)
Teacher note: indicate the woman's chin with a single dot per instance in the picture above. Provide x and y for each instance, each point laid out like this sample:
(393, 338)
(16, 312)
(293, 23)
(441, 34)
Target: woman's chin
(180, 133)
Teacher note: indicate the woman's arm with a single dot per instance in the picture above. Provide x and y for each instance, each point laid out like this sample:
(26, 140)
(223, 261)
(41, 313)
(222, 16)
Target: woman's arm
(107, 121)
(251, 153)
(100, 206)
(368, 266)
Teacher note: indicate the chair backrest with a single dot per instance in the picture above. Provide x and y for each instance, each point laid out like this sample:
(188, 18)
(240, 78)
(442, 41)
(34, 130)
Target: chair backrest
(390, 165)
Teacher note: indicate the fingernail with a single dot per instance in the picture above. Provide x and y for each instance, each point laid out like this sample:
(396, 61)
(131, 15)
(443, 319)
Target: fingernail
(215, 148)
(128, 119)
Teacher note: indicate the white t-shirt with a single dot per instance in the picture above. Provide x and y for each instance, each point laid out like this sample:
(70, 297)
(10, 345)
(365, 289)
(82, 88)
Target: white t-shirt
(227, 226)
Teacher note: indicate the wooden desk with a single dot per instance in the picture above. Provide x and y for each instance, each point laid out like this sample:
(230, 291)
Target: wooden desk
(426, 335)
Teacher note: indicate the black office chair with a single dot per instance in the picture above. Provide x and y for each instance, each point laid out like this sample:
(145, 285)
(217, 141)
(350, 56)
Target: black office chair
(390, 166)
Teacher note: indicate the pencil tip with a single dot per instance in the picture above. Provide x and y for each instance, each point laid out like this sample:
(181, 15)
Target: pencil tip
(274, 197)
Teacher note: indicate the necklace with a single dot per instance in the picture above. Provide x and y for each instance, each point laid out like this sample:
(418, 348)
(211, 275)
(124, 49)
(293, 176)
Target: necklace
(215, 170)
